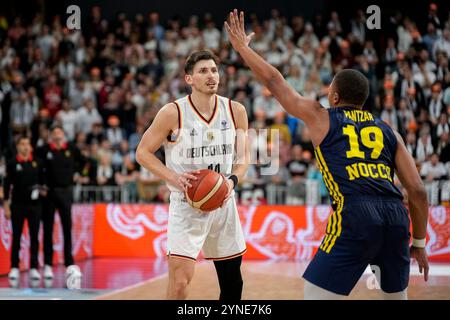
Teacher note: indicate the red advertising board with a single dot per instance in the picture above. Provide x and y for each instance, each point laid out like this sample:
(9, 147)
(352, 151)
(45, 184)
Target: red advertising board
(271, 232)
(139, 230)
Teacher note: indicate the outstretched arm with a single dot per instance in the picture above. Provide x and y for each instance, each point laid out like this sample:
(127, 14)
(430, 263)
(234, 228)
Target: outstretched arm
(417, 201)
(310, 111)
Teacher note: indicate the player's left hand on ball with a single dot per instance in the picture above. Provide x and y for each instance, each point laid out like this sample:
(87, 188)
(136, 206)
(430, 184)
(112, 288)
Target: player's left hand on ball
(422, 260)
(184, 178)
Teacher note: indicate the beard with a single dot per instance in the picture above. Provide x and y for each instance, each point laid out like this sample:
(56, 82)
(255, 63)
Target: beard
(208, 90)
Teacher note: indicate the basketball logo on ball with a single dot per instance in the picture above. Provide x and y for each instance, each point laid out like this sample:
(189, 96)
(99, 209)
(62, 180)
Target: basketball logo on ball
(207, 192)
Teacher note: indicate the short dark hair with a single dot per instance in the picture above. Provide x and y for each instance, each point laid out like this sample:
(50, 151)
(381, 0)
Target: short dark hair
(56, 126)
(352, 86)
(195, 57)
(22, 137)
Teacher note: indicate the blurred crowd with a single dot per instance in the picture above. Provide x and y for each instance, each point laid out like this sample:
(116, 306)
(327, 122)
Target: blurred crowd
(105, 83)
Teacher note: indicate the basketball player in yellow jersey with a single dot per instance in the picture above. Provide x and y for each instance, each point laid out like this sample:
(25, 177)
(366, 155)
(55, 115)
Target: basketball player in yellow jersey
(200, 131)
(357, 155)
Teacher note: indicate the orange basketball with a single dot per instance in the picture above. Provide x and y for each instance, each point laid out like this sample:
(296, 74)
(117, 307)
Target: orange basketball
(208, 191)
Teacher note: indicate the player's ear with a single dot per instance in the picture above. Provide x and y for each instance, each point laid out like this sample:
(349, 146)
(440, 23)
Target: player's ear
(336, 98)
(188, 78)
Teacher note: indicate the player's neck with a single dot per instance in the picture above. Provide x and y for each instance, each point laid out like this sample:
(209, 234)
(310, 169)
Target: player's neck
(203, 102)
(348, 105)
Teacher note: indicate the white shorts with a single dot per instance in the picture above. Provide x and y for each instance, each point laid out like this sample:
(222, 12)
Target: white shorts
(218, 233)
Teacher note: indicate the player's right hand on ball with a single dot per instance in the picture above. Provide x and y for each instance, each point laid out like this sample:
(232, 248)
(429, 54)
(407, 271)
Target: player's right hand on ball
(181, 180)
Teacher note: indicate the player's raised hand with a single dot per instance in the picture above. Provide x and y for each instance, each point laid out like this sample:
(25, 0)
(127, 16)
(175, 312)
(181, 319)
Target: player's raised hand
(236, 30)
(422, 260)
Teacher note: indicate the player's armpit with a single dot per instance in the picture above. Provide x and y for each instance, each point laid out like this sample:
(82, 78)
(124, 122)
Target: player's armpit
(242, 158)
(165, 120)
(153, 138)
(240, 115)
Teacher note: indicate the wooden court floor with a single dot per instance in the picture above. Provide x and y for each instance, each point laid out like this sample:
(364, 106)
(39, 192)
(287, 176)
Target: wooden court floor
(271, 280)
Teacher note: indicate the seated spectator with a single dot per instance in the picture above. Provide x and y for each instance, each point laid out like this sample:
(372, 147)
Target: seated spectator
(148, 185)
(21, 113)
(280, 177)
(96, 136)
(52, 95)
(315, 175)
(406, 117)
(411, 143)
(115, 134)
(88, 172)
(433, 169)
(424, 144)
(444, 148)
(282, 128)
(68, 119)
(442, 126)
(267, 103)
(80, 140)
(126, 176)
(87, 116)
(389, 113)
(260, 121)
(105, 172)
(135, 138)
(79, 92)
(435, 103)
(297, 165)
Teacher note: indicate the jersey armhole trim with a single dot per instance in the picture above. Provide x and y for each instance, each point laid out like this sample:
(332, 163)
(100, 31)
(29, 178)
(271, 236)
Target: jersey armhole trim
(180, 124)
(231, 113)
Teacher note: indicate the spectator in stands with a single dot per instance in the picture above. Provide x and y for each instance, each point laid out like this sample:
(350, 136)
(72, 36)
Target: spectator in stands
(281, 127)
(443, 147)
(315, 175)
(433, 169)
(389, 114)
(435, 103)
(280, 177)
(430, 37)
(88, 172)
(147, 185)
(67, 118)
(115, 134)
(129, 67)
(443, 43)
(87, 116)
(97, 135)
(21, 113)
(296, 191)
(52, 95)
(267, 103)
(105, 175)
(406, 117)
(424, 145)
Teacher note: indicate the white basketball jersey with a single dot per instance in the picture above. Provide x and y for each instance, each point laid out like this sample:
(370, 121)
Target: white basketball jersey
(202, 143)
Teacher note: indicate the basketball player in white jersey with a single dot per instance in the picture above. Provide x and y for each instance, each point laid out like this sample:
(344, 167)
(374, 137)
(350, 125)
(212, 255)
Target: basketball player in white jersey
(200, 131)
